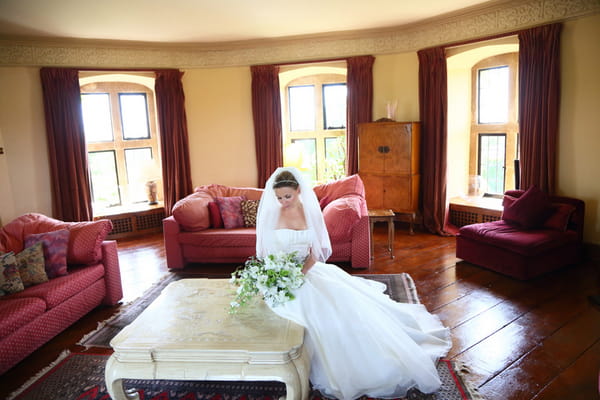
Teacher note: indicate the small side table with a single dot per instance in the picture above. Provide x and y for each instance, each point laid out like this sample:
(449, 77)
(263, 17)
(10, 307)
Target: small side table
(383, 216)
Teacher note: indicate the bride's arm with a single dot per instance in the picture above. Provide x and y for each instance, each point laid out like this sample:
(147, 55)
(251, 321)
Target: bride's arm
(308, 262)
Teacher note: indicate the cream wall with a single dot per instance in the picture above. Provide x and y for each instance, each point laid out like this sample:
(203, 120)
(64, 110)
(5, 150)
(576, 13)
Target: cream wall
(578, 172)
(219, 112)
(24, 175)
(218, 106)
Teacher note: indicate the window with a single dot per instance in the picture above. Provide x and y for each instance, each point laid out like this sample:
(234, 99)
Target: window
(492, 158)
(120, 130)
(314, 124)
(494, 128)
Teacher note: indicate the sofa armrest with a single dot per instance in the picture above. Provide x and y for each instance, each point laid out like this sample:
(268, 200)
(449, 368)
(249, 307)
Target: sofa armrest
(171, 231)
(361, 244)
(112, 273)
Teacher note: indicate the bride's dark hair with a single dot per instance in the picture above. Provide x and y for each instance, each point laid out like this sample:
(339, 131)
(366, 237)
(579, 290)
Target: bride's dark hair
(285, 179)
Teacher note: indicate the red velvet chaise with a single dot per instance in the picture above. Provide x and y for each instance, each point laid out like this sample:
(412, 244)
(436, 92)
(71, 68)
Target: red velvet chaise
(537, 234)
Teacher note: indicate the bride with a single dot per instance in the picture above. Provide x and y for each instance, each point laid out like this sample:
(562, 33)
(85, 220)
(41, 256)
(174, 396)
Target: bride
(360, 341)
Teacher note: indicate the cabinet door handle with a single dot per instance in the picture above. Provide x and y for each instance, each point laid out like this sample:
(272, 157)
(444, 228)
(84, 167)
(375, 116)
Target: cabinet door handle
(383, 149)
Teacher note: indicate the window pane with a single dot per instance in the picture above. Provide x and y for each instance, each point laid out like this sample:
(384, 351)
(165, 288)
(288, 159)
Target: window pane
(334, 105)
(302, 108)
(105, 184)
(493, 95)
(492, 152)
(134, 115)
(97, 124)
(335, 158)
(139, 171)
(308, 158)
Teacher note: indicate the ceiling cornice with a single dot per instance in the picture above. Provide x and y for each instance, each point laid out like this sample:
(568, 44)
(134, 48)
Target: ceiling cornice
(492, 18)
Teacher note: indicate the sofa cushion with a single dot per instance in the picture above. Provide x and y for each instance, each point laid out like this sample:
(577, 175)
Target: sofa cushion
(214, 215)
(85, 238)
(350, 185)
(55, 250)
(10, 280)
(514, 238)
(529, 211)
(231, 211)
(18, 312)
(340, 216)
(57, 290)
(560, 215)
(191, 212)
(239, 237)
(31, 265)
(249, 210)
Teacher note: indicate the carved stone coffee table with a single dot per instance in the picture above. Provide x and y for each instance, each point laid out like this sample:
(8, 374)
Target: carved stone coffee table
(188, 334)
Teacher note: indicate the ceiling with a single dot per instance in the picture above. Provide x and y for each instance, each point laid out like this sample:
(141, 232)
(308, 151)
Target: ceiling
(210, 21)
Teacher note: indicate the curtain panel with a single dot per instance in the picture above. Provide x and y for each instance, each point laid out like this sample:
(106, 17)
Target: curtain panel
(359, 82)
(67, 151)
(266, 113)
(174, 142)
(539, 105)
(433, 108)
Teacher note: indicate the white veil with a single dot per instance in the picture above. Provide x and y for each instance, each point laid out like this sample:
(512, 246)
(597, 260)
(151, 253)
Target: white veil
(268, 216)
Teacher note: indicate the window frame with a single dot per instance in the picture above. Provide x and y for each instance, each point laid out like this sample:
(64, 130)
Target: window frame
(119, 144)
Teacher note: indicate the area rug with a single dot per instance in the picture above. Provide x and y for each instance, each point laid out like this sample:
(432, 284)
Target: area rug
(400, 287)
(80, 376)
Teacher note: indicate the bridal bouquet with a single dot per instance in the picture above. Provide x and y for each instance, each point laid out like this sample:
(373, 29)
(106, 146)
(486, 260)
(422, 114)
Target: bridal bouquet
(274, 276)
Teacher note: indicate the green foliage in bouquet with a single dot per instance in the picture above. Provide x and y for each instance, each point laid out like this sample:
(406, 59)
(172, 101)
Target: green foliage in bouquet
(274, 277)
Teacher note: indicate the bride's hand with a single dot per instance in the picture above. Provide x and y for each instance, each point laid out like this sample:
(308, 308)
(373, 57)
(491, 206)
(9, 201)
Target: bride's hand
(308, 262)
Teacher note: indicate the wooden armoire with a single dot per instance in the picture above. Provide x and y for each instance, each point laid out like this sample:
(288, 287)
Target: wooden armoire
(388, 164)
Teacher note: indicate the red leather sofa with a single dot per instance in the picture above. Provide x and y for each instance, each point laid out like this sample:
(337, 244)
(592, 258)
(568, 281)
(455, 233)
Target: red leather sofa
(31, 317)
(191, 237)
(552, 240)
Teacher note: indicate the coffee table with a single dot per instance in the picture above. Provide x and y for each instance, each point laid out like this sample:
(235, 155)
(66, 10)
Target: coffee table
(187, 333)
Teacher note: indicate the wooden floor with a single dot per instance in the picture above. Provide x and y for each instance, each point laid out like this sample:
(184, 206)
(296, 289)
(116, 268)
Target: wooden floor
(519, 340)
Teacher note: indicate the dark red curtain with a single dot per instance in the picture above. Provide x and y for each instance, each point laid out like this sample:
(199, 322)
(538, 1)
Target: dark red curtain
(266, 112)
(539, 98)
(359, 82)
(433, 101)
(67, 152)
(174, 142)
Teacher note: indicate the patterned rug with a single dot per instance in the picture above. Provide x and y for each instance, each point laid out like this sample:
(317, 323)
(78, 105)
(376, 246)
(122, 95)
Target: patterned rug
(400, 287)
(80, 376)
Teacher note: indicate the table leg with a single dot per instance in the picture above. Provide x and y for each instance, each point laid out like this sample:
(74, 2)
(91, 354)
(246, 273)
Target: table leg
(372, 223)
(391, 231)
(114, 384)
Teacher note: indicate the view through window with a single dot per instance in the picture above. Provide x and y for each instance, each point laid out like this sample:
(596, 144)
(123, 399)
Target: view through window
(314, 119)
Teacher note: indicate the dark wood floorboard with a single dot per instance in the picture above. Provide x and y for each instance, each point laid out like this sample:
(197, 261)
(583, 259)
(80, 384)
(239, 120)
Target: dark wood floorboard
(538, 339)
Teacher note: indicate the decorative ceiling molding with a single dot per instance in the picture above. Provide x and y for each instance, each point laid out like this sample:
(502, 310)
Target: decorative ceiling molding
(491, 19)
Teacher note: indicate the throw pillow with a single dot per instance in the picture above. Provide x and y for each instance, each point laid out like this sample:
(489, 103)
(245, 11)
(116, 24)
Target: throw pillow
(10, 280)
(249, 210)
(214, 215)
(560, 216)
(324, 201)
(55, 245)
(31, 265)
(529, 211)
(231, 211)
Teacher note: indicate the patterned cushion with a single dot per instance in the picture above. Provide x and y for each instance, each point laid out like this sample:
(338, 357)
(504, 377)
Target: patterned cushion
(31, 265)
(55, 250)
(10, 281)
(249, 209)
(560, 216)
(231, 211)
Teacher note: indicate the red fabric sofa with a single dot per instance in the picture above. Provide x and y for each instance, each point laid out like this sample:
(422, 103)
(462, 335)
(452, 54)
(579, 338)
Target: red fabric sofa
(190, 237)
(31, 317)
(524, 252)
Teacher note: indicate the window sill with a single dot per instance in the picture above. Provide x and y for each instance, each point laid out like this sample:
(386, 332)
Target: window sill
(131, 221)
(473, 210)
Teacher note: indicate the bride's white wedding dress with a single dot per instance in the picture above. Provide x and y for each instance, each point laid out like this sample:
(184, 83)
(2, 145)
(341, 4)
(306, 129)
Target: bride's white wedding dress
(360, 341)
